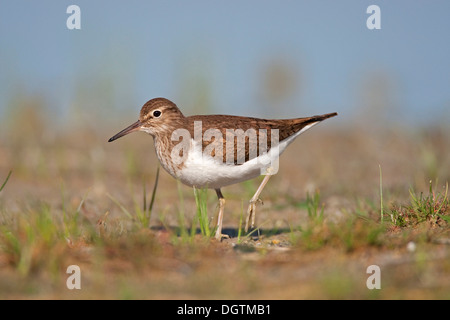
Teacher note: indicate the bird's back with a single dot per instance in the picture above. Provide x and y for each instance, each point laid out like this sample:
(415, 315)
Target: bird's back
(247, 137)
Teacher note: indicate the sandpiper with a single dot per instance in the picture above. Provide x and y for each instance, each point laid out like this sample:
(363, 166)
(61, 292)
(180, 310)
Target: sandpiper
(215, 151)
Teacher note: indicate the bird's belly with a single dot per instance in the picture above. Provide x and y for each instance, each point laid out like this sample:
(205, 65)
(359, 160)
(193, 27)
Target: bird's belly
(216, 176)
(201, 170)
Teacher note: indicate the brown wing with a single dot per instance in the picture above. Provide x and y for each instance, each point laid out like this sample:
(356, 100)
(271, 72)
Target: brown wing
(235, 140)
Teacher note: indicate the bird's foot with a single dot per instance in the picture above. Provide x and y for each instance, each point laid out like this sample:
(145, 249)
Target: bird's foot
(220, 236)
(251, 213)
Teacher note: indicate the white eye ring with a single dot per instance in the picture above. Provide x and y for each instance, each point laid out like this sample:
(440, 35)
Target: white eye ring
(157, 113)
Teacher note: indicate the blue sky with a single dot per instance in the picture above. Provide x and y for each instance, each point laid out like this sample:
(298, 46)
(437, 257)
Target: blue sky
(133, 51)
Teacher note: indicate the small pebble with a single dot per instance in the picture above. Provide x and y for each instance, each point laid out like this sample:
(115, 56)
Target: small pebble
(411, 246)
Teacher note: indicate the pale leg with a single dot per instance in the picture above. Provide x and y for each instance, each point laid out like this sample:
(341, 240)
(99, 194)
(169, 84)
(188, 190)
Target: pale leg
(251, 212)
(219, 234)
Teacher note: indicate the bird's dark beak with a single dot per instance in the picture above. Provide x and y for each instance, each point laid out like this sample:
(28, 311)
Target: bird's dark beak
(134, 127)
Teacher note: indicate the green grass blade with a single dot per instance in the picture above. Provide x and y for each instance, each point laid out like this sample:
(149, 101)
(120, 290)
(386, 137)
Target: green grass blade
(124, 210)
(202, 213)
(445, 218)
(82, 201)
(444, 199)
(4, 183)
(241, 218)
(155, 186)
(381, 196)
(144, 206)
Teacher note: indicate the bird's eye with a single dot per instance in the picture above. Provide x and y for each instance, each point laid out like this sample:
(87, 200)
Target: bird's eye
(156, 113)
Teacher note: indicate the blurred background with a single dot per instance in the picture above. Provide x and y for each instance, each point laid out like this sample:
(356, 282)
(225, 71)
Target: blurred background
(260, 58)
(64, 93)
